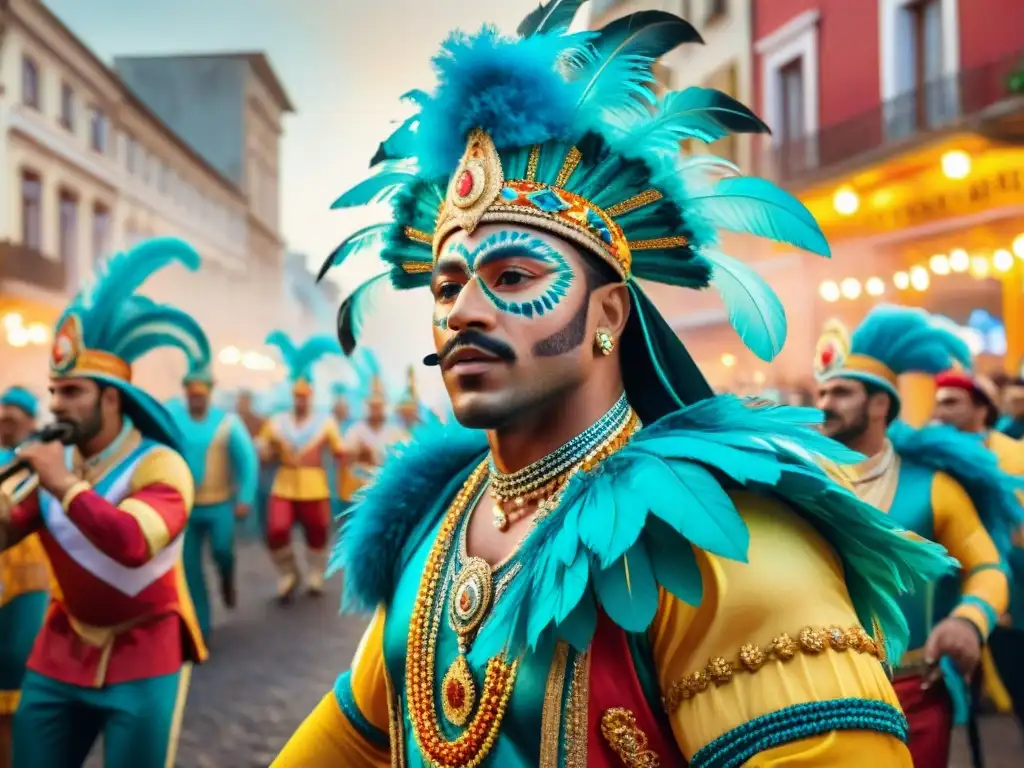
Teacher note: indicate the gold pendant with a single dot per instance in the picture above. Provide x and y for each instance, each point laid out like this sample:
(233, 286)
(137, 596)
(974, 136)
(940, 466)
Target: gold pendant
(500, 518)
(458, 692)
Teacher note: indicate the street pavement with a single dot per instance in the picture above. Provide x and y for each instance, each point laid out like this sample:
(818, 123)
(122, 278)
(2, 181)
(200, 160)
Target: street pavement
(270, 665)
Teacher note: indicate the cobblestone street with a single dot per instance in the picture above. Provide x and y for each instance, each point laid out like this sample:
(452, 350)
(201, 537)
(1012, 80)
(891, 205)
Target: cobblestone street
(269, 666)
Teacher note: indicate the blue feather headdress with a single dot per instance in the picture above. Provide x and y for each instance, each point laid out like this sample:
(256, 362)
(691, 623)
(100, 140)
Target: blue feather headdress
(563, 132)
(300, 359)
(107, 326)
(889, 342)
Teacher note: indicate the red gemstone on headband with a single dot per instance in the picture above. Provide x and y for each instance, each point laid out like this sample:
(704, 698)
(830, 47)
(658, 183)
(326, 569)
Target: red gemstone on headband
(464, 185)
(828, 355)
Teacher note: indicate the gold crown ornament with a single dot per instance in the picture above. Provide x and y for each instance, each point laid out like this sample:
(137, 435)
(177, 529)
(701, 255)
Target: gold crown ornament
(70, 358)
(832, 349)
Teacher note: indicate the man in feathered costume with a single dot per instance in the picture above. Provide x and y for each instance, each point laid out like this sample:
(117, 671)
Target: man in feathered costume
(408, 408)
(970, 403)
(370, 438)
(115, 652)
(225, 469)
(935, 481)
(24, 574)
(297, 441)
(611, 565)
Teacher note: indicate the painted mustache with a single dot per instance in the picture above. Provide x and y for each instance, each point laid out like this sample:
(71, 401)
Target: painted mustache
(472, 338)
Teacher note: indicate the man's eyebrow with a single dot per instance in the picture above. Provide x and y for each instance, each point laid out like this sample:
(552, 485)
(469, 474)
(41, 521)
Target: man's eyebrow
(448, 263)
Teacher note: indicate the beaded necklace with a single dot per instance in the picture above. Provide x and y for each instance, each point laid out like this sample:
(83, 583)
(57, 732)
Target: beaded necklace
(471, 594)
(542, 479)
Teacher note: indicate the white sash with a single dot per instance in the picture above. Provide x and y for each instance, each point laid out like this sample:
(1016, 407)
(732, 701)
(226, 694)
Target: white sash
(128, 581)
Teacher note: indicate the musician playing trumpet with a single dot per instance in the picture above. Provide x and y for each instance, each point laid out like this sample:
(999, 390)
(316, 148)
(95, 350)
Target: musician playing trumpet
(24, 575)
(120, 634)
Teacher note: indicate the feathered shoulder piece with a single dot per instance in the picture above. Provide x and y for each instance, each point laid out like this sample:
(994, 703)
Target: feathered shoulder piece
(300, 359)
(641, 512)
(564, 132)
(964, 457)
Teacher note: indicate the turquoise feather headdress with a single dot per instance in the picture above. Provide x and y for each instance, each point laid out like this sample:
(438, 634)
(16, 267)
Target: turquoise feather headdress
(300, 359)
(107, 326)
(563, 132)
(889, 342)
(21, 398)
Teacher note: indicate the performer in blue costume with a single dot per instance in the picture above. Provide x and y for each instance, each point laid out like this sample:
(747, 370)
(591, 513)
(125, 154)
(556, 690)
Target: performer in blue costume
(937, 482)
(24, 574)
(605, 564)
(116, 649)
(222, 458)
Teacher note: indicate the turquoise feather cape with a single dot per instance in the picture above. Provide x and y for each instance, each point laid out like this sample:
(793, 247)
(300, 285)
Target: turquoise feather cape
(648, 505)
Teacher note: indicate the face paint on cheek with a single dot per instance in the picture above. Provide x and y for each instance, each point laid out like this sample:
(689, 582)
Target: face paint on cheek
(440, 320)
(548, 292)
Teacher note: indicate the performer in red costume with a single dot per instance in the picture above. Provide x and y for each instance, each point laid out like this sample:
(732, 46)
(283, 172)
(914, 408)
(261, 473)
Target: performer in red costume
(120, 634)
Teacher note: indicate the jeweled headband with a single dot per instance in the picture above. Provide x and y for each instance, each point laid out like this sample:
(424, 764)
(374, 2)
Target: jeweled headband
(479, 193)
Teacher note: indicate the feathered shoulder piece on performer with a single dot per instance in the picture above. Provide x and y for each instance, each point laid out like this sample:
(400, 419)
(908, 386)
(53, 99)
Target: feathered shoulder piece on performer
(564, 133)
(107, 326)
(22, 399)
(300, 359)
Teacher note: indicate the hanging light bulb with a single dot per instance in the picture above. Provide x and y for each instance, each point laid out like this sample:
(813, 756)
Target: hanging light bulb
(901, 280)
(980, 267)
(829, 291)
(875, 286)
(959, 261)
(919, 279)
(1002, 260)
(939, 264)
(850, 288)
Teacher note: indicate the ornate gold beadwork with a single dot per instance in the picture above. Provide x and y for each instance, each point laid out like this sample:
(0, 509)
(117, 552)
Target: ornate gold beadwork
(418, 235)
(628, 742)
(568, 166)
(656, 243)
(458, 707)
(532, 162)
(551, 714)
(646, 197)
(471, 747)
(474, 186)
(810, 640)
(416, 267)
(577, 713)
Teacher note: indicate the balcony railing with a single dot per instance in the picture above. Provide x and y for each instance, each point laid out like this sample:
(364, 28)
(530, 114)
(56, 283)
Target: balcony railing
(27, 265)
(942, 104)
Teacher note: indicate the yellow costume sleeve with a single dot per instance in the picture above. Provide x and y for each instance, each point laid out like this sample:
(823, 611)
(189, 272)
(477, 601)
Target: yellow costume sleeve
(773, 667)
(985, 588)
(332, 435)
(350, 725)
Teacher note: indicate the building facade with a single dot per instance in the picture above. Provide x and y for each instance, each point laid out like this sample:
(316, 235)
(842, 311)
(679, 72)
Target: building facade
(91, 162)
(900, 124)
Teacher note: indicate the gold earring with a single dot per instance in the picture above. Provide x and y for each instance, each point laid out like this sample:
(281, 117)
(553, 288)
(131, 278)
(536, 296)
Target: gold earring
(605, 341)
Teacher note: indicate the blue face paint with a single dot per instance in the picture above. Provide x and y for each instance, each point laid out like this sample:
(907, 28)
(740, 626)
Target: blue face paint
(545, 292)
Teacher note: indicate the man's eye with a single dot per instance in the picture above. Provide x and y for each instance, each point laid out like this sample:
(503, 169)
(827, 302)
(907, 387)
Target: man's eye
(511, 277)
(448, 290)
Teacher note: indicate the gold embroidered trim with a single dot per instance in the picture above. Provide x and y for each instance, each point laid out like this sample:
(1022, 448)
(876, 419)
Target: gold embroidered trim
(396, 729)
(577, 712)
(619, 728)
(417, 267)
(551, 714)
(657, 242)
(646, 197)
(532, 162)
(568, 166)
(418, 235)
(751, 658)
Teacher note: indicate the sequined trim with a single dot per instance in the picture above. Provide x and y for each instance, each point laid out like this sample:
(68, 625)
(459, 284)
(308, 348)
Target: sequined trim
(396, 728)
(568, 166)
(630, 204)
(577, 712)
(551, 715)
(418, 235)
(801, 721)
(751, 658)
(627, 740)
(416, 267)
(532, 162)
(657, 243)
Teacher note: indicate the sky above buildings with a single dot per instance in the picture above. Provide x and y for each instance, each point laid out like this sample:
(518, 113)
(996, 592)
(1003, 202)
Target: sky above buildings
(344, 64)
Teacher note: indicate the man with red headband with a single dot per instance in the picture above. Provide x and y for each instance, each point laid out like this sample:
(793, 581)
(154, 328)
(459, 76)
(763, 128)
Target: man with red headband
(297, 442)
(969, 402)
